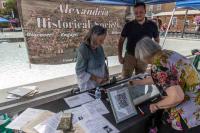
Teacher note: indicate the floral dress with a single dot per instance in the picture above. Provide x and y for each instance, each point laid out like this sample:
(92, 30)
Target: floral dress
(170, 68)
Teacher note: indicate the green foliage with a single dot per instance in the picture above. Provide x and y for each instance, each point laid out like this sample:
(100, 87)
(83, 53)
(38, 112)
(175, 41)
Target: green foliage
(10, 5)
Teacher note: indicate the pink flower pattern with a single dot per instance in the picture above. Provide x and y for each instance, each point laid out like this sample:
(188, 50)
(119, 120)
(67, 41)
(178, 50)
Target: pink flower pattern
(170, 69)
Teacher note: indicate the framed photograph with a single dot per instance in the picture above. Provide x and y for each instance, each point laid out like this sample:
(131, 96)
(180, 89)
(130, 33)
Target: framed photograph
(121, 103)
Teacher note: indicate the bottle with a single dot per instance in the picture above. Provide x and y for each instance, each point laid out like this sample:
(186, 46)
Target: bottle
(98, 93)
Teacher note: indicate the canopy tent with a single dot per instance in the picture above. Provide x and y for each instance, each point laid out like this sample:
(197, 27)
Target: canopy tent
(189, 4)
(111, 2)
(3, 20)
(158, 1)
(128, 2)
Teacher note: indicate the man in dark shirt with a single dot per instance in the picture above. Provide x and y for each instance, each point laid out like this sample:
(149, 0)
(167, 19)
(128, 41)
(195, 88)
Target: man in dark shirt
(134, 31)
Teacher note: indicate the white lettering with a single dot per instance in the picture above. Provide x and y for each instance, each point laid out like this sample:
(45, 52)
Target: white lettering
(80, 11)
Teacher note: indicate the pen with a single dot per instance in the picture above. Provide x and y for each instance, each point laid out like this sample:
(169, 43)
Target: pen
(142, 113)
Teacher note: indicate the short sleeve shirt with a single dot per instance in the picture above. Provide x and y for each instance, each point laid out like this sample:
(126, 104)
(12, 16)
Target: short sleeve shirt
(170, 69)
(134, 31)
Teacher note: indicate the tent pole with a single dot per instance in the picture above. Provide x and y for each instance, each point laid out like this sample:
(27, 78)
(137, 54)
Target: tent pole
(183, 31)
(168, 26)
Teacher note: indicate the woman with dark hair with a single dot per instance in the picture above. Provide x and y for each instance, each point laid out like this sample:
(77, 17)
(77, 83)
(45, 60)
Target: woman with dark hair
(91, 69)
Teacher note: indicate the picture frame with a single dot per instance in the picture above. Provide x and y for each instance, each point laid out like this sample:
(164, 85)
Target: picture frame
(121, 103)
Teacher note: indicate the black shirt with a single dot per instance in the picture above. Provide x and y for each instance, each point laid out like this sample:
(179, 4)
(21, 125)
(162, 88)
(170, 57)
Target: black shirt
(135, 31)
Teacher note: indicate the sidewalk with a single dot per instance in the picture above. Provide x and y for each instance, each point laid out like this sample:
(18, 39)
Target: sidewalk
(182, 46)
(179, 38)
(6, 35)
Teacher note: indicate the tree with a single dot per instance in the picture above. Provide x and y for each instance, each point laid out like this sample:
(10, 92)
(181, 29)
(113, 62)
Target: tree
(11, 6)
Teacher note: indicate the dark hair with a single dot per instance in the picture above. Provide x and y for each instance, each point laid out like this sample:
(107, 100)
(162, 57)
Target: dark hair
(95, 30)
(140, 4)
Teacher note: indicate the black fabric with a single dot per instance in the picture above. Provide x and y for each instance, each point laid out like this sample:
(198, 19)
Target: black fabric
(134, 32)
(160, 121)
(196, 62)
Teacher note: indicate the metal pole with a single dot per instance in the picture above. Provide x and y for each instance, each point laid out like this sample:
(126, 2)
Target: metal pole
(168, 27)
(13, 15)
(183, 31)
(26, 47)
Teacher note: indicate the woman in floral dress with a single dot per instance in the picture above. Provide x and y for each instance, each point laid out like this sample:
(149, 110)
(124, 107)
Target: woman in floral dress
(173, 74)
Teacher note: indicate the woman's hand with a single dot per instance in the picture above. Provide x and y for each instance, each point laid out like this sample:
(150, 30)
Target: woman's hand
(153, 108)
(106, 79)
(99, 80)
(146, 81)
(131, 82)
(96, 79)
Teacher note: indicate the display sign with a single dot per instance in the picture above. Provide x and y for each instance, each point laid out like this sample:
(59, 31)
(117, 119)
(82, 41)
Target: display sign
(53, 29)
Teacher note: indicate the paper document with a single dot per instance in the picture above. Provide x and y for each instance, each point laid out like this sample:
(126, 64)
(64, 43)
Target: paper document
(96, 106)
(79, 113)
(24, 118)
(78, 100)
(12, 96)
(24, 90)
(97, 125)
(29, 127)
(50, 125)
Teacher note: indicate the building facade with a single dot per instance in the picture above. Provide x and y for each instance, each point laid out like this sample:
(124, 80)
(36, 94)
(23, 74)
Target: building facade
(164, 11)
(160, 8)
(2, 4)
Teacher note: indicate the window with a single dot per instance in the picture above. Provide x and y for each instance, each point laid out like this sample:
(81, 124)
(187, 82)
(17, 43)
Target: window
(159, 7)
(187, 22)
(3, 4)
(174, 21)
(151, 8)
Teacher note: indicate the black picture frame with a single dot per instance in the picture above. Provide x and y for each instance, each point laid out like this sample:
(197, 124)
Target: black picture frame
(121, 102)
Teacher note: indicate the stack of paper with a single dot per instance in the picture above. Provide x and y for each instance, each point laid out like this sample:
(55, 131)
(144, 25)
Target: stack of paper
(88, 117)
(24, 118)
(36, 121)
(24, 91)
(50, 125)
(29, 127)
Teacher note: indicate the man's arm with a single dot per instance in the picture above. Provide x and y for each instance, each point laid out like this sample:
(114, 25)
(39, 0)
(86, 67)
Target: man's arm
(156, 33)
(120, 48)
(146, 81)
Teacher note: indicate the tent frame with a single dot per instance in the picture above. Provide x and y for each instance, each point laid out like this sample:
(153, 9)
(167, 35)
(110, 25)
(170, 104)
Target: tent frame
(169, 24)
(185, 19)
